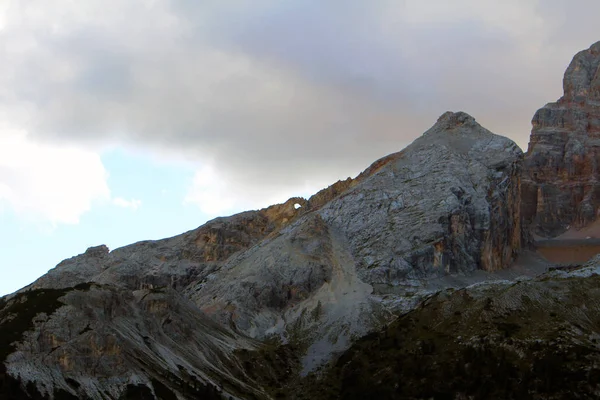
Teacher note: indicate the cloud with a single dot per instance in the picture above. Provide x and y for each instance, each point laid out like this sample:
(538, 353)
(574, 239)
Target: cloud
(218, 195)
(277, 97)
(133, 204)
(47, 183)
(210, 193)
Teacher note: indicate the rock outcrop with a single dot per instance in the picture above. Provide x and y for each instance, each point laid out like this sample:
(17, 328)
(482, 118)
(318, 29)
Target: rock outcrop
(447, 203)
(560, 185)
(404, 221)
(101, 342)
(184, 313)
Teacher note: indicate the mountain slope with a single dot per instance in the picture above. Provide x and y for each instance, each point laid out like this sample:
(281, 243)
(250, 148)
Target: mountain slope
(97, 341)
(534, 339)
(365, 290)
(182, 316)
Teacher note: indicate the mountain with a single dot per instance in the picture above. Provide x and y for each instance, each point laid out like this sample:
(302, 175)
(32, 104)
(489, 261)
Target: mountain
(560, 184)
(378, 286)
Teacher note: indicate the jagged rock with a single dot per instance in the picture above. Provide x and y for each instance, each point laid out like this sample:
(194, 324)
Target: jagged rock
(560, 183)
(247, 306)
(447, 203)
(98, 341)
(175, 262)
(406, 219)
(315, 277)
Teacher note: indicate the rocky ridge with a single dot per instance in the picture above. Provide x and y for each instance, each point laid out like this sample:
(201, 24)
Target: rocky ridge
(315, 277)
(292, 302)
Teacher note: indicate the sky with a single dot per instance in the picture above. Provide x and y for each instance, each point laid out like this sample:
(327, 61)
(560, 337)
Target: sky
(126, 120)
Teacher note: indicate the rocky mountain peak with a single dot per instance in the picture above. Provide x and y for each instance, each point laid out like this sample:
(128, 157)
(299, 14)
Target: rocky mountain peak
(247, 306)
(461, 134)
(582, 78)
(456, 124)
(97, 251)
(313, 274)
(450, 120)
(561, 187)
(451, 127)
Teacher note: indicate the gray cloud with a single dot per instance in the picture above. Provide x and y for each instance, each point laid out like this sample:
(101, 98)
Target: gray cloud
(275, 94)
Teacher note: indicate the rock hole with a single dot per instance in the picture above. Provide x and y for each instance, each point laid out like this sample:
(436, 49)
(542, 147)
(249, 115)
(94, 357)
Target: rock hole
(297, 206)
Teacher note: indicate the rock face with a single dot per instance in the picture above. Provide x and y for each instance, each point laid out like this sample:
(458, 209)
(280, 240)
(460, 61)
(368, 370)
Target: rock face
(560, 184)
(402, 222)
(182, 315)
(447, 203)
(96, 341)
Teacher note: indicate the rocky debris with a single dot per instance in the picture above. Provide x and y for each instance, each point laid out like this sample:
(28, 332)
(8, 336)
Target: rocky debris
(560, 181)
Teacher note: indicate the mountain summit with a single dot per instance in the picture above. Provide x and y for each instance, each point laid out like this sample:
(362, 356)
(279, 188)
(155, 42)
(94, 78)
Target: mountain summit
(561, 188)
(294, 300)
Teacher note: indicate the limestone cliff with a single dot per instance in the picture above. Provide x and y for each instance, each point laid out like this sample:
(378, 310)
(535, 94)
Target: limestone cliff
(560, 184)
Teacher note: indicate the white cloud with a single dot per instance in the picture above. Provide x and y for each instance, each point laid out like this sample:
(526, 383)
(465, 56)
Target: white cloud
(516, 17)
(217, 195)
(210, 193)
(268, 101)
(123, 203)
(48, 183)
